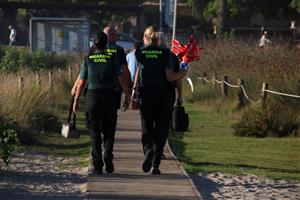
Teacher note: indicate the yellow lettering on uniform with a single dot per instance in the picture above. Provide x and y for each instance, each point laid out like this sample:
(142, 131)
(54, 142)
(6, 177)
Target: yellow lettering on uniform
(151, 56)
(99, 56)
(111, 50)
(151, 52)
(100, 60)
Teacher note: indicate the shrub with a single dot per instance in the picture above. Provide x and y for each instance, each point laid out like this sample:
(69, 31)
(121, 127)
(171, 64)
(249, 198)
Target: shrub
(10, 61)
(14, 59)
(275, 120)
(7, 138)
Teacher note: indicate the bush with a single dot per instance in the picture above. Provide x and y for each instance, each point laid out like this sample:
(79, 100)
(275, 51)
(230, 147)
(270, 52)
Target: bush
(10, 61)
(14, 59)
(275, 120)
(7, 138)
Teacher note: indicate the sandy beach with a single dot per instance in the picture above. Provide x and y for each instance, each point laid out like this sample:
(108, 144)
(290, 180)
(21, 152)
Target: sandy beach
(38, 176)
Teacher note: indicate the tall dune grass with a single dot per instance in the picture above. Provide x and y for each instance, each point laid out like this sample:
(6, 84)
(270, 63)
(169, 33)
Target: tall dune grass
(277, 65)
(36, 106)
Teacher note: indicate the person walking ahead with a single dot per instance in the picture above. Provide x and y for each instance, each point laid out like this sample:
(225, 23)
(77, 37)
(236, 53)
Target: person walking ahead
(155, 72)
(99, 70)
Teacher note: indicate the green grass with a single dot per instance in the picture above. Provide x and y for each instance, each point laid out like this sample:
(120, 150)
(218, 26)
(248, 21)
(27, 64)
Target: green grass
(211, 146)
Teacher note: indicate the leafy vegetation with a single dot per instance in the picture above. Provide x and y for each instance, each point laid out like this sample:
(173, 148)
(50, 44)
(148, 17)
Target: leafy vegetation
(236, 8)
(14, 59)
(8, 137)
(275, 120)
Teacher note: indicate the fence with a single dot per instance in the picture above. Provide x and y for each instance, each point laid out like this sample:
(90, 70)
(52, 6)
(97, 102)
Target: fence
(242, 95)
(71, 73)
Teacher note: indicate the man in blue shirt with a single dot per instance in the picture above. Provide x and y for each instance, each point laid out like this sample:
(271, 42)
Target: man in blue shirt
(131, 60)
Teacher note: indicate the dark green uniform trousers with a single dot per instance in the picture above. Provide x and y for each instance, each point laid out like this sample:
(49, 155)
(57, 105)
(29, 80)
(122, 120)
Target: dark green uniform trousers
(155, 114)
(101, 119)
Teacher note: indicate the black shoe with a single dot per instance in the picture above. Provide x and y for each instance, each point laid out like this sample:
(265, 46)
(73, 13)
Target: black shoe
(156, 171)
(147, 164)
(109, 165)
(97, 170)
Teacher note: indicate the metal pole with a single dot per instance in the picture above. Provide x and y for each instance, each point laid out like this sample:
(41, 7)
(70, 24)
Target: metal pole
(174, 19)
(160, 16)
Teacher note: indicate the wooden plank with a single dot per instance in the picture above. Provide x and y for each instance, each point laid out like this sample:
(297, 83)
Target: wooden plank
(129, 181)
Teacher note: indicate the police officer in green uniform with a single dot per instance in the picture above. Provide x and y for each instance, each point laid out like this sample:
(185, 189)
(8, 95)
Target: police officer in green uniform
(99, 70)
(155, 72)
(119, 51)
(113, 48)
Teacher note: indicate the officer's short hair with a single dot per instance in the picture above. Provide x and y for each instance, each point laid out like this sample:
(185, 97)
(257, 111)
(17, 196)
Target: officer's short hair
(100, 40)
(109, 30)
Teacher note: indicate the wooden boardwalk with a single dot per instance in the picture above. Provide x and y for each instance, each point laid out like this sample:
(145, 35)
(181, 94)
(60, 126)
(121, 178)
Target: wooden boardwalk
(129, 181)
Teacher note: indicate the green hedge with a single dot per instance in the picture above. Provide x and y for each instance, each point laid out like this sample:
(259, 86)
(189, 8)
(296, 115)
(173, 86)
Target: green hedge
(275, 120)
(13, 59)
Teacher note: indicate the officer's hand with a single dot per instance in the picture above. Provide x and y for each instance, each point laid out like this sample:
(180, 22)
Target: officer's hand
(75, 106)
(180, 100)
(184, 73)
(73, 91)
(126, 103)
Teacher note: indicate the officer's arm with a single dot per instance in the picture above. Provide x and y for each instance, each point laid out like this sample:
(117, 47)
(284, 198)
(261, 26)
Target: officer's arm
(80, 86)
(73, 91)
(172, 76)
(126, 74)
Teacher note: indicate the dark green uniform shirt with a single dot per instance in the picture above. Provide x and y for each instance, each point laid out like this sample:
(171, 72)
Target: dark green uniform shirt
(100, 70)
(153, 62)
(119, 52)
(114, 48)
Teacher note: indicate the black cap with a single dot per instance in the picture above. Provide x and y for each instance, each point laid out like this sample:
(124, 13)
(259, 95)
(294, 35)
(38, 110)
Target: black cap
(100, 40)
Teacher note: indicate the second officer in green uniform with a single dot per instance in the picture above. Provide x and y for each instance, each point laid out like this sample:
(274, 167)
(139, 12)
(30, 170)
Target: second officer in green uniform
(98, 71)
(155, 73)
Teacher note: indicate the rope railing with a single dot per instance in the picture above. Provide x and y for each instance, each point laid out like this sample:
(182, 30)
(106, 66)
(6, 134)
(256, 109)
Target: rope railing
(230, 85)
(247, 97)
(283, 94)
(243, 90)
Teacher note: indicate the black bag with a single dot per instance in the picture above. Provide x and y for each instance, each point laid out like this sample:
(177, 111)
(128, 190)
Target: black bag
(180, 119)
(69, 129)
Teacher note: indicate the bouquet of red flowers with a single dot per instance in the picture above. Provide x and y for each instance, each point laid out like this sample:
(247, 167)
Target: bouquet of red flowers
(186, 53)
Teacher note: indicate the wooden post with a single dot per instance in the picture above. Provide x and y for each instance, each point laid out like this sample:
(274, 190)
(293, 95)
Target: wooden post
(225, 87)
(78, 66)
(264, 94)
(240, 94)
(70, 75)
(214, 79)
(21, 82)
(37, 79)
(50, 76)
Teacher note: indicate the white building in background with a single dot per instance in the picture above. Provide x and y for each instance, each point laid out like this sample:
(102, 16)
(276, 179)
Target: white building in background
(59, 34)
